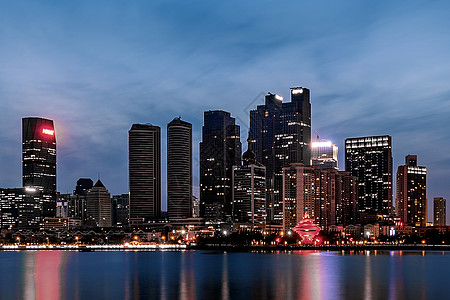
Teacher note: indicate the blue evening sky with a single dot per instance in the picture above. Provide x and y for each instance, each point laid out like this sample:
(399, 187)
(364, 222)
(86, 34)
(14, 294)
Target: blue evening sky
(96, 67)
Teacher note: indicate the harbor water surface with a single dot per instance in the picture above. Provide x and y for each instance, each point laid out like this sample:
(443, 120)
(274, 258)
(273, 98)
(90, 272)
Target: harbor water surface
(219, 275)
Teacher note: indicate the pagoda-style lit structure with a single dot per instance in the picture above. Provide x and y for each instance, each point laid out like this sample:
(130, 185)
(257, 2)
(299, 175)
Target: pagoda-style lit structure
(307, 229)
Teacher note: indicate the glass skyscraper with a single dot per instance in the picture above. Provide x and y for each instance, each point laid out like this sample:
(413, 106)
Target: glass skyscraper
(370, 159)
(220, 150)
(39, 160)
(280, 134)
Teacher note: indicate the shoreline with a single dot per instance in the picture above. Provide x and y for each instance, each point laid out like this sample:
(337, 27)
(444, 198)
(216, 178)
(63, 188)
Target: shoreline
(224, 248)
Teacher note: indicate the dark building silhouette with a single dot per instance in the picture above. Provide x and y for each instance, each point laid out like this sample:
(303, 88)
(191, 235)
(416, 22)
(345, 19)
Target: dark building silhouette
(121, 210)
(411, 201)
(39, 160)
(144, 166)
(83, 185)
(220, 150)
(179, 169)
(280, 134)
(77, 208)
(370, 159)
(249, 192)
(440, 212)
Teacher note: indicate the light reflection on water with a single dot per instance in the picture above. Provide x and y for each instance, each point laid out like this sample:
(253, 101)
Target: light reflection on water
(216, 275)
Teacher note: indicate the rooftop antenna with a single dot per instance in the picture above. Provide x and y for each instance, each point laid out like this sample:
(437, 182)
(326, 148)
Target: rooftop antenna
(317, 135)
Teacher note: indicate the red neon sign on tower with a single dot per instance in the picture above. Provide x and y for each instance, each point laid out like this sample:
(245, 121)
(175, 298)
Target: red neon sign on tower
(48, 131)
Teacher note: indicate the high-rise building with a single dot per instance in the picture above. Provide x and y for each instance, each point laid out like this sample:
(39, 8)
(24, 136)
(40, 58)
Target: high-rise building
(98, 201)
(370, 159)
(179, 169)
(249, 192)
(77, 208)
(326, 195)
(21, 208)
(121, 210)
(324, 154)
(440, 213)
(411, 200)
(144, 150)
(220, 150)
(280, 134)
(39, 160)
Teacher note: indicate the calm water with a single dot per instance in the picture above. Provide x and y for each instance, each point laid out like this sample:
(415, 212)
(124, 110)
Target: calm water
(216, 275)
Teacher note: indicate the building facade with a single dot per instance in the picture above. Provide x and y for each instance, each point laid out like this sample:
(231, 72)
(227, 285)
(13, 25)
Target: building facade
(21, 208)
(412, 192)
(440, 211)
(39, 160)
(324, 154)
(144, 166)
(220, 150)
(370, 159)
(99, 208)
(326, 195)
(121, 210)
(249, 193)
(280, 134)
(179, 169)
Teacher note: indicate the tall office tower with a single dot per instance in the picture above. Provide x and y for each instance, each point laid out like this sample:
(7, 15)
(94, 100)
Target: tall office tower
(220, 150)
(412, 192)
(179, 169)
(370, 159)
(249, 192)
(440, 213)
(280, 134)
(326, 195)
(98, 202)
(324, 154)
(39, 160)
(144, 150)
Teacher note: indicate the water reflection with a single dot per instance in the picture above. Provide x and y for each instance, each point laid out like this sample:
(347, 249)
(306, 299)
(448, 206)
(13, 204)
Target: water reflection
(216, 275)
(44, 274)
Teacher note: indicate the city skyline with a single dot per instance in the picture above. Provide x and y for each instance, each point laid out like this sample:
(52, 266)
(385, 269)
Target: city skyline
(369, 83)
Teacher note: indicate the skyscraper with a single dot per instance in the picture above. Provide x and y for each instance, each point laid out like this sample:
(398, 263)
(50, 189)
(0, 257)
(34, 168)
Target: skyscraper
(411, 201)
(220, 150)
(179, 169)
(280, 134)
(440, 213)
(144, 166)
(249, 192)
(370, 159)
(324, 154)
(98, 202)
(39, 160)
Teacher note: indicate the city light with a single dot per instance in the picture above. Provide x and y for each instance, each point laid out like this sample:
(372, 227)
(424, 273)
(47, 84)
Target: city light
(48, 131)
(321, 144)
